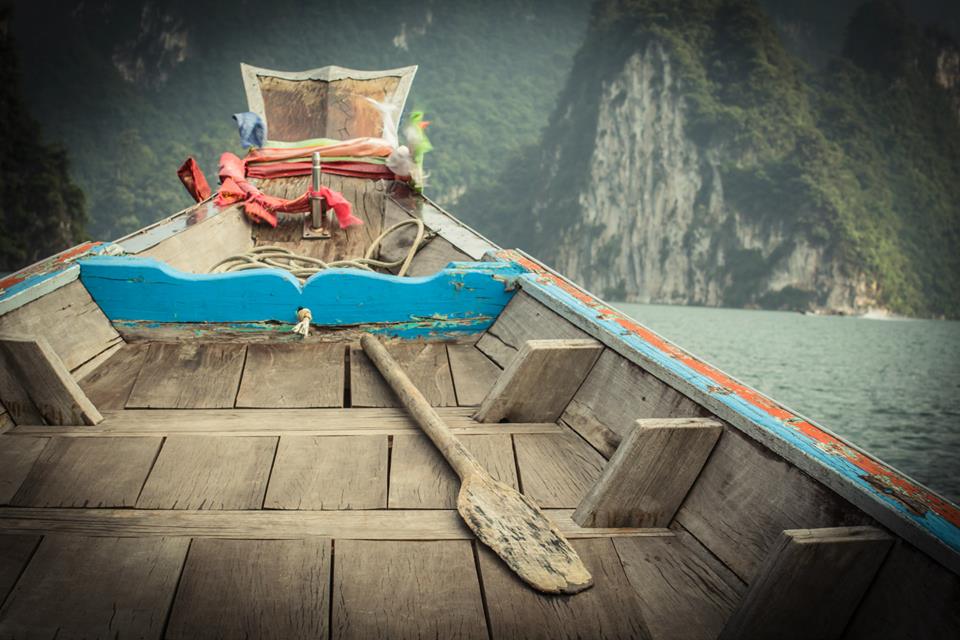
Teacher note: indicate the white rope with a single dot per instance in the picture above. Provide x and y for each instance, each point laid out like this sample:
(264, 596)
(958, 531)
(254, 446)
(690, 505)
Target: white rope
(303, 327)
(303, 266)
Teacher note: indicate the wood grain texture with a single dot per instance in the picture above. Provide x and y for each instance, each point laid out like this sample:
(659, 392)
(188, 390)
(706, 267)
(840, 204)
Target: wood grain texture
(495, 349)
(810, 585)
(209, 472)
(78, 587)
(425, 363)
(17, 456)
(389, 524)
(405, 589)
(338, 472)
(421, 479)
(433, 257)
(639, 394)
(556, 470)
(94, 363)
(912, 597)
(14, 396)
(540, 381)
(188, 376)
(69, 319)
(611, 609)
(746, 495)
(292, 376)
(88, 472)
(47, 382)
(681, 597)
(253, 589)
(526, 319)
(474, 374)
(650, 474)
(202, 245)
(15, 551)
(108, 386)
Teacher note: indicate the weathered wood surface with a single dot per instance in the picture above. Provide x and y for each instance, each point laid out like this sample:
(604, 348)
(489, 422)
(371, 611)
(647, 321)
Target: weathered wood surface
(272, 422)
(746, 495)
(69, 319)
(94, 363)
(509, 523)
(15, 551)
(433, 257)
(109, 385)
(495, 349)
(474, 374)
(202, 245)
(188, 376)
(650, 474)
(426, 364)
(525, 319)
(638, 394)
(6, 422)
(293, 376)
(810, 585)
(78, 587)
(88, 472)
(911, 597)
(556, 470)
(389, 524)
(209, 472)
(540, 381)
(681, 597)
(15, 398)
(253, 589)
(345, 472)
(611, 609)
(42, 375)
(421, 479)
(406, 589)
(17, 456)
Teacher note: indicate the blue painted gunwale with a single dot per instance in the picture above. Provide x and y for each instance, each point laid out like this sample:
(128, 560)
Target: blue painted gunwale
(911, 510)
(464, 297)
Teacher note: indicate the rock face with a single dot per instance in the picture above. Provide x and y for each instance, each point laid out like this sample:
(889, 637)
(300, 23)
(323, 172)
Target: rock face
(654, 225)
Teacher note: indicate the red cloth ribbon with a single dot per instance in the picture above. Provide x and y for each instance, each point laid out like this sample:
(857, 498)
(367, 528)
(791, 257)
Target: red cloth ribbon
(260, 207)
(193, 179)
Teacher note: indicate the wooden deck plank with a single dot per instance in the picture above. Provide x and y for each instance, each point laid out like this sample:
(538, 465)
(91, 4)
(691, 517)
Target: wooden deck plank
(108, 386)
(332, 473)
(69, 319)
(17, 456)
(425, 363)
(421, 479)
(556, 470)
(15, 551)
(746, 496)
(253, 589)
(392, 524)
(610, 609)
(680, 596)
(495, 349)
(406, 589)
(209, 472)
(79, 587)
(89, 472)
(292, 376)
(15, 397)
(474, 374)
(188, 376)
(639, 395)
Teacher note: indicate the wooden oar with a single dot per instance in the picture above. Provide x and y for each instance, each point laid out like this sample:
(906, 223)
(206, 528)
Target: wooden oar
(502, 518)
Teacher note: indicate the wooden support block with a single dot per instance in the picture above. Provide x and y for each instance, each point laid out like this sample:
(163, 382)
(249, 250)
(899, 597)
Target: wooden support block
(540, 381)
(650, 474)
(44, 379)
(811, 584)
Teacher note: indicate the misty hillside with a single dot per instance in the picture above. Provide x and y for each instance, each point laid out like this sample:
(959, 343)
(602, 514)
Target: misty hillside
(693, 159)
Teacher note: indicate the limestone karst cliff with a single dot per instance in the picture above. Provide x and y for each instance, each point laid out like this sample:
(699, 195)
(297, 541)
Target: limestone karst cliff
(692, 159)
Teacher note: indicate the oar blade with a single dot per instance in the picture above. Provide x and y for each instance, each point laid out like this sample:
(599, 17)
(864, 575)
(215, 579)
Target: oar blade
(517, 530)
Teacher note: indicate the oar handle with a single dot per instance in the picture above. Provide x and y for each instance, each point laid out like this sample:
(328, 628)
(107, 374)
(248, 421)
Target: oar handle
(432, 424)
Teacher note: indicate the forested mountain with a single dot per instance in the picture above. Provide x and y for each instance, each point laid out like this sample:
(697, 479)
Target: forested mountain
(41, 209)
(693, 159)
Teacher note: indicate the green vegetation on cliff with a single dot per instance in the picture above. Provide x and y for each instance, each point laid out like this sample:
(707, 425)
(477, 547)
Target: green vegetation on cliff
(861, 158)
(41, 209)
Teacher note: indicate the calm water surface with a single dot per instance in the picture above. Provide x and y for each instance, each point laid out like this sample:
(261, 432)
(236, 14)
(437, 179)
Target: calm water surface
(890, 386)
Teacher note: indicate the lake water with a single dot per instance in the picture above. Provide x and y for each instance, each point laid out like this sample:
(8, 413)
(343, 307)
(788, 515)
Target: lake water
(891, 387)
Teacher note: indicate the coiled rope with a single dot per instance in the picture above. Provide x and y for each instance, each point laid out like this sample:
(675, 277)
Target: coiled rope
(305, 266)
